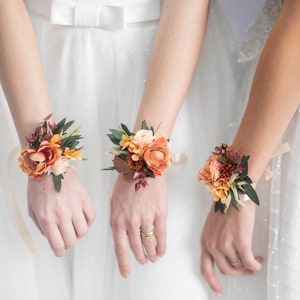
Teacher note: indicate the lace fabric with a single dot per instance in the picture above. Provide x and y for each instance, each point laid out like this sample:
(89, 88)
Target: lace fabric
(259, 31)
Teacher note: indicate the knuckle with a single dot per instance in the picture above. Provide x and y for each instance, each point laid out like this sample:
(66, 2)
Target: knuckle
(120, 250)
(71, 243)
(147, 220)
(141, 259)
(225, 246)
(58, 249)
(134, 222)
(135, 245)
(91, 218)
(82, 232)
(117, 223)
(205, 273)
(46, 221)
(224, 272)
(211, 246)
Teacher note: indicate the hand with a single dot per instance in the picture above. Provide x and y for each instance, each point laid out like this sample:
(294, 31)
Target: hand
(132, 211)
(227, 241)
(63, 217)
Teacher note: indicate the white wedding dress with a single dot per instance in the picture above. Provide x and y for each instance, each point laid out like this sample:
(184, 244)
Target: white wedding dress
(95, 71)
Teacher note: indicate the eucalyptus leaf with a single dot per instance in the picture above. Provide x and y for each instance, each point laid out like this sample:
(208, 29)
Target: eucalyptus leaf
(252, 195)
(117, 133)
(125, 129)
(144, 125)
(113, 139)
(67, 126)
(57, 181)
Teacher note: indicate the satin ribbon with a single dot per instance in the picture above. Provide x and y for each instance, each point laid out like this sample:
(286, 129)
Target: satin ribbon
(17, 215)
(115, 16)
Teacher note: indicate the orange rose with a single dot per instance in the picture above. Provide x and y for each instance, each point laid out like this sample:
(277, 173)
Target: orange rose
(35, 162)
(157, 155)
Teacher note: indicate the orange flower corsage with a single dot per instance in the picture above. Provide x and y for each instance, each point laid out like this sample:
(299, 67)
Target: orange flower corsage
(50, 149)
(225, 174)
(145, 154)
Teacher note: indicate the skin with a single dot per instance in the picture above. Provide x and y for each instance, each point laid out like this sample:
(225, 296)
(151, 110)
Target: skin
(62, 217)
(172, 63)
(273, 101)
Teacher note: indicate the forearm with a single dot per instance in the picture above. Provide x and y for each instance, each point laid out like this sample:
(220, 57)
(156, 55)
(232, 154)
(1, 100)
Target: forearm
(275, 92)
(21, 73)
(172, 63)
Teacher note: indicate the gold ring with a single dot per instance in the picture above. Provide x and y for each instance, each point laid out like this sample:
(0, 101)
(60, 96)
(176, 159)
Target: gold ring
(147, 235)
(235, 263)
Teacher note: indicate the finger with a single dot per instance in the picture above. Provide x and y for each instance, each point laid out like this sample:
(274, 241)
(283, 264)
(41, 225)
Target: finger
(232, 256)
(68, 234)
(249, 261)
(80, 225)
(149, 242)
(226, 267)
(160, 225)
(89, 212)
(136, 245)
(34, 219)
(55, 240)
(121, 250)
(236, 263)
(207, 270)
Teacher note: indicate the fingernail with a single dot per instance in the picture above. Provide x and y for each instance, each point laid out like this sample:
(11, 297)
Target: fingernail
(125, 274)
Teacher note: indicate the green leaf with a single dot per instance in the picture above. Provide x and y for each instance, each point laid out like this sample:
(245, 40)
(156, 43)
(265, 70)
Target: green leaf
(144, 125)
(250, 191)
(234, 204)
(61, 123)
(117, 133)
(71, 141)
(108, 169)
(57, 182)
(125, 129)
(113, 139)
(67, 126)
(218, 206)
(244, 162)
(248, 179)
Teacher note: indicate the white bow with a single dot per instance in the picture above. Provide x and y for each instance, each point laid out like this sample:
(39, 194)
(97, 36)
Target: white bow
(114, 16)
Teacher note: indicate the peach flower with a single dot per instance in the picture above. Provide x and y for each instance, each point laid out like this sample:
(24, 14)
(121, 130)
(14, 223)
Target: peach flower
(35, 162)
(214, 170)
(220, 190)
(59, 167)
(143, 137)
(157, 155)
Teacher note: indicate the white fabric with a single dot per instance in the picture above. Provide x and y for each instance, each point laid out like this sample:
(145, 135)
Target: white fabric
(96, 77)
(115, 15)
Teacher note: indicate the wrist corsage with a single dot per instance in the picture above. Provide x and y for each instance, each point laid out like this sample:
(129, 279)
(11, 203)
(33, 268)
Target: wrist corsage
(226, 176)
(50, 149)
(144, 153)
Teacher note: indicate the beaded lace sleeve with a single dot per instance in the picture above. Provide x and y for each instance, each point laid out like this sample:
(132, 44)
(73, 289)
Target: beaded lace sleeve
(259, 31)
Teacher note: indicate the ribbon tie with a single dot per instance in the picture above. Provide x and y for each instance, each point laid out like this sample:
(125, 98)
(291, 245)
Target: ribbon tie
(115, 16)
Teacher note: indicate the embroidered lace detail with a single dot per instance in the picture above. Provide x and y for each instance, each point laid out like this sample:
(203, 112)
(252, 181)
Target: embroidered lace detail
(259, 31)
